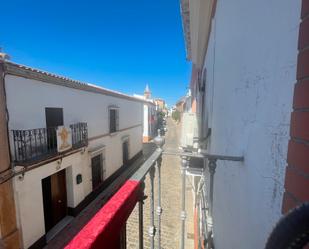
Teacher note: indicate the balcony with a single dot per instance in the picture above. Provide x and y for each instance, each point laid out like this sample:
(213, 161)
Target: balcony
(129, 213)
(107, 228)
(34, 145)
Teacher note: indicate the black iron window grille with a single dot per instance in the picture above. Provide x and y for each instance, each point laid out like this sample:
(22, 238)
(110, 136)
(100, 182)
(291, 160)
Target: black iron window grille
(113, 120)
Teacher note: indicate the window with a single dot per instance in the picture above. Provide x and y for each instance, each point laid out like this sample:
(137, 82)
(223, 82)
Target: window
(113, 119)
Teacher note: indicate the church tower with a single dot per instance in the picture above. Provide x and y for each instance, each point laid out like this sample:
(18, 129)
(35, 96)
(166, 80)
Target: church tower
(147, 93)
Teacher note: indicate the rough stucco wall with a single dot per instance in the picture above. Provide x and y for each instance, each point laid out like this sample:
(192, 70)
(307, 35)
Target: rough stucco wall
(8, 230)
(4, 149)
(296, 180)
(251, 65)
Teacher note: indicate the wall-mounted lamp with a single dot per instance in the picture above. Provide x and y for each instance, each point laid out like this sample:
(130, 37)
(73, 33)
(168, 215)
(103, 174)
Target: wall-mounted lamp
(79, 179)
(59, 161)
(21, 177)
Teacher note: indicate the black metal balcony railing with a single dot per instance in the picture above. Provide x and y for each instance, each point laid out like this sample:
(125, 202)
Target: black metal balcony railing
(79, 135)
(39, 144)
(190, 162)
(114, 214)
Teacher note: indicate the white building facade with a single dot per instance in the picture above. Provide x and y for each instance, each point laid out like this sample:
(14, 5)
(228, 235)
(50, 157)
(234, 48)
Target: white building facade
(244, 55)
(150, 118)
(104, 132)
(150, 122)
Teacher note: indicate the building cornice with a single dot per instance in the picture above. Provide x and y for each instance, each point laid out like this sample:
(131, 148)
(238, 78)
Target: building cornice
(196, 21)
(185, 14)
(39, 75)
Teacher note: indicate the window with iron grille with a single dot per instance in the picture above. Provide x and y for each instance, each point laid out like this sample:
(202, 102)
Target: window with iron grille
(113, 119)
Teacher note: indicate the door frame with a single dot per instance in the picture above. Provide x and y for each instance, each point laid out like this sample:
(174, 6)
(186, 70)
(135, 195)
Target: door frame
(99, 177)
(50, 217)
(48, 110)
(95, 152)
(51, 129)
(125, 139)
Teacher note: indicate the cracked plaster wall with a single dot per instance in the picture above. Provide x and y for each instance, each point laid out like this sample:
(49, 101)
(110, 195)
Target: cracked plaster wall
(251, 69)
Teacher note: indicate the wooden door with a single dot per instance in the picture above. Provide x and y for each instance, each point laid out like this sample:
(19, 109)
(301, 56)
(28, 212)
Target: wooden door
(125, 152)
(97, 169)
(54, 118)
(59, 196)
(54, 199)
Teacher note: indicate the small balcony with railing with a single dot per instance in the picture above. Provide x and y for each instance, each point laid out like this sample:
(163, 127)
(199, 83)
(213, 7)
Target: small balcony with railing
(35, 145)
(108, 227)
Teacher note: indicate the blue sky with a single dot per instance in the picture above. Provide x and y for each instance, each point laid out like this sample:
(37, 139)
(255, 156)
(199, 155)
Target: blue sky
(121, 45)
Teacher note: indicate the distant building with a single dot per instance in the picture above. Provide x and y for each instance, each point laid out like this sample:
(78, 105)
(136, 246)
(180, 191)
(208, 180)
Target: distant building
(66, 140)
(147, 92)
(188, 103)
(184, 104)
(160, 104)
(150, 115)
(180, 104)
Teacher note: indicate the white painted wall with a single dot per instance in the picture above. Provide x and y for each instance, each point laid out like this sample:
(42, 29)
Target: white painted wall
(27, 99)
(29, 198)
(149, 128)
(146, 121)
(26, 102)
(154, 121)
(28, 192)
(251, 68)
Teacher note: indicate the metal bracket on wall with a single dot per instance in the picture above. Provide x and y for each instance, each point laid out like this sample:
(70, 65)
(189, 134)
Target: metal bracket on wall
(203, 154)
(186, 156)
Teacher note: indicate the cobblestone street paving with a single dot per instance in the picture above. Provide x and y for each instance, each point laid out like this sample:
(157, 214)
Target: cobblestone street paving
(171, 202)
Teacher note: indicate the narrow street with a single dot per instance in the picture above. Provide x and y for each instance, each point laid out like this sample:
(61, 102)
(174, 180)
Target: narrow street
(171, 201)
(77, 223)
(179, 124)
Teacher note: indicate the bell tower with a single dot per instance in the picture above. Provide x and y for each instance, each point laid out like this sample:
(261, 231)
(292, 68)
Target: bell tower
(147, 92)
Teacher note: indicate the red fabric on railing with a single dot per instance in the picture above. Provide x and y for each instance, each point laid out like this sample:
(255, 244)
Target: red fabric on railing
(103, 230)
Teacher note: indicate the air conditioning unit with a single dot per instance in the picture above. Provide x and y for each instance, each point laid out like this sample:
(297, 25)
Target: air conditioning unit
(189, 131)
